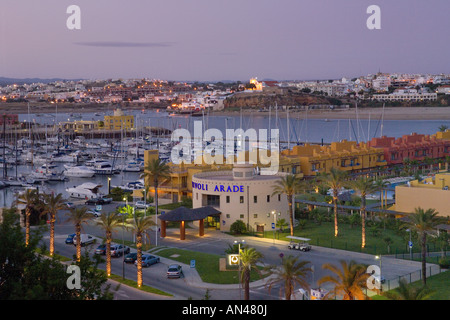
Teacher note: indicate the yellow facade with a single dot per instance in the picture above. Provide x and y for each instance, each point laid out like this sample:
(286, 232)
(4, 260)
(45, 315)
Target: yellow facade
(180, 182)
(119, 122)
(431, 193)
(344, 155)
(445, 135)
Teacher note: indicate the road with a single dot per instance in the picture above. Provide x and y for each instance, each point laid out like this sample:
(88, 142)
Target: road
(217, 242)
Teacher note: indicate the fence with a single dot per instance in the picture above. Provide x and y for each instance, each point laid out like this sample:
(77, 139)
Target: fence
(390, 284)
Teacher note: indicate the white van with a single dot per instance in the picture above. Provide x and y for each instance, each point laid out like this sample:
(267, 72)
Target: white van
(85, 239)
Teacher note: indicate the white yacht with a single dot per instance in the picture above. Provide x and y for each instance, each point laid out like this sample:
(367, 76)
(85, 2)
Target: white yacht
(79, 171)
(87, 190)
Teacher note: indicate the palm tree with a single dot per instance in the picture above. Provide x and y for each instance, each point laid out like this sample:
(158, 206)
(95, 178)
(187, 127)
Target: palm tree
(52, 204)
(408, 292)
(29, 198)
(109, 222)
(78, 216)
(157, 170)
(140, 225)
(335, 180)
(291, 272)
(349, 281)
(363, 186)
(288, 185)
(423, 221)
(248, 260)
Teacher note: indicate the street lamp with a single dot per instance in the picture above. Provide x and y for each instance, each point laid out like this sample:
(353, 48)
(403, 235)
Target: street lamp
(274, 213)
(410, 244)
(379, 258)
(238, 242)
(123, 242)
(109, 185)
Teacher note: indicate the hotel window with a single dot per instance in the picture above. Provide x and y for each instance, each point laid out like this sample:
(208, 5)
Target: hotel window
(241, 216)
(279, 197)
(255, 199)
(255, 216)
(228, 199)
(241, 199)
(268, 198)
(228, 216)
(196, 196)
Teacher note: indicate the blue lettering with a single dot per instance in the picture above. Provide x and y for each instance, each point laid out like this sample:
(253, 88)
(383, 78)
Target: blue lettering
(216, 188)
(222, 189)
(241, 188)
(229, 189)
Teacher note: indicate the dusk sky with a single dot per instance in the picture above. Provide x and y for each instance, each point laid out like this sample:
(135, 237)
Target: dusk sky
(213, 40)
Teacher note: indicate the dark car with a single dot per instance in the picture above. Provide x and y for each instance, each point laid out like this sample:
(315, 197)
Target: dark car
(69, 239)
(101, 249)
(174, 271)
(97, 201)
(131, 257)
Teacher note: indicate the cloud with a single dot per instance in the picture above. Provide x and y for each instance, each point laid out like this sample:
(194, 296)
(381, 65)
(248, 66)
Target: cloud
(121, 44)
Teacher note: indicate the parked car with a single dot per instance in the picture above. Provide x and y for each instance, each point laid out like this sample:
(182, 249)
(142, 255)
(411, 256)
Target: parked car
(131, 257)
(96, 201)
(148, 260)
(69, 239)
(101, 249)
(85, 240)
(118, 250)
(69, 204)
(141, 205)
(174, 271)
(95, 213)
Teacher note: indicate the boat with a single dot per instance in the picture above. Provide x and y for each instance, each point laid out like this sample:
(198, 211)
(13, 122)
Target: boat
(131, 186)
(87, 190)
(104, 167)
(79, 171)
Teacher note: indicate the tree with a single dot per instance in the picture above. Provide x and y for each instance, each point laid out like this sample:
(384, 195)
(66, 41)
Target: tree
(442, 128)
(350, 281)
(140, 225)
(408, 292)
(26, 275)
(52, 205)
(156, 171)
(109, 222)
(292, 272)
(335, 180)
(288, 185)
(422, 222)
(363, 186)
(78, 216)
(248, 260)
(29, 198)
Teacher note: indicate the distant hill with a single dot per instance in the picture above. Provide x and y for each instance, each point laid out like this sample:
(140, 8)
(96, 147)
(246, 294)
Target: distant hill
(7, 81)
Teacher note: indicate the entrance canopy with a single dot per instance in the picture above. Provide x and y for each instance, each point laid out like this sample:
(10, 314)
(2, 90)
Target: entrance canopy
(186, 214)
(182, 214)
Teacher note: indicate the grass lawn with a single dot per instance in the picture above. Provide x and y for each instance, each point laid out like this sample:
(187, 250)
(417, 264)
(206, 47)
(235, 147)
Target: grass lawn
(348, 238)
(207, 266)
(440, 283)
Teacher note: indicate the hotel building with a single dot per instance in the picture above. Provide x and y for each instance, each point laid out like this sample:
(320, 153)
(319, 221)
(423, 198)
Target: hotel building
(432, 192)
(240, 194)
(344, 155)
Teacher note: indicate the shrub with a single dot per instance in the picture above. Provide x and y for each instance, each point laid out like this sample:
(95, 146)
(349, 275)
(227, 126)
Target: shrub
(444, 262)
(238, 227)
